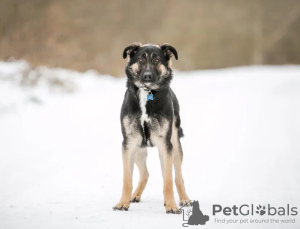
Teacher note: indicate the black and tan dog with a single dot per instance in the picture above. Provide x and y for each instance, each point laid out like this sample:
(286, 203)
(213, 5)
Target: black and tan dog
(150, 117)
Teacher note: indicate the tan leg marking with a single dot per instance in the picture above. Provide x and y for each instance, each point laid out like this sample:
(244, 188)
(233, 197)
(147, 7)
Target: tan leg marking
(166, 159)
(140, 161)
(128, 153)
(177, 160)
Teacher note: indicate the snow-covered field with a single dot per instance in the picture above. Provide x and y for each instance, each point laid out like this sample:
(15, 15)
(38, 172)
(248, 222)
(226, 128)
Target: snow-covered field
(60, 147)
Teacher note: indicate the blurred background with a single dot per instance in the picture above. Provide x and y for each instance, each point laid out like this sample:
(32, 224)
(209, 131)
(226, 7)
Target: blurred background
(92, 34)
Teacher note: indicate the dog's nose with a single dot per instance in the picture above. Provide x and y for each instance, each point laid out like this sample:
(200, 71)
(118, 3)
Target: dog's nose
(147, 76)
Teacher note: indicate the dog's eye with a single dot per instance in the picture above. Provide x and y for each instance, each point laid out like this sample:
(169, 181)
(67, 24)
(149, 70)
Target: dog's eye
(141, 60)
(156, 61)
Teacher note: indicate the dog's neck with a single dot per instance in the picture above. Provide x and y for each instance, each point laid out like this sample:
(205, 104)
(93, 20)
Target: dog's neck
(146, 89)
(134, 89)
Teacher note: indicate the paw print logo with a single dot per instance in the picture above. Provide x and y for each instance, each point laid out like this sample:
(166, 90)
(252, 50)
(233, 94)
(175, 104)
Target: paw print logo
(261, 210)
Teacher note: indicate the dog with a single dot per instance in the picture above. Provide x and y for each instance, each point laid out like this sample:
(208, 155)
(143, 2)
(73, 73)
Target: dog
(150, 117)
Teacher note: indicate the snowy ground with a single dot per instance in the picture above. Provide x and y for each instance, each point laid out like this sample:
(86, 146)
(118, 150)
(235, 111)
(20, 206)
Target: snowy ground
(60, 147)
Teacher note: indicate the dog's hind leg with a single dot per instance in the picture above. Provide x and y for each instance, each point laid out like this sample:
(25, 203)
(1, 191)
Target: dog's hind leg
(140, 160)
(177, 160)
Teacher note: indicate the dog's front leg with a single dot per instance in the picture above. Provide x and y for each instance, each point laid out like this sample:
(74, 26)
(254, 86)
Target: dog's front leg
(166, 159)
(128, 161)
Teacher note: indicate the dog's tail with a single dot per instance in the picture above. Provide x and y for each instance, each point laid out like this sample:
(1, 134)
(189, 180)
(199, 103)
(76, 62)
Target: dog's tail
(180, 132)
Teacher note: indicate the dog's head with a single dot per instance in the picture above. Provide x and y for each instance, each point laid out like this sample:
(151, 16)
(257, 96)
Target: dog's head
(149, 66)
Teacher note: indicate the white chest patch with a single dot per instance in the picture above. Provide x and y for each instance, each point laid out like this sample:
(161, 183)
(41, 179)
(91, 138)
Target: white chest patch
(143, 102)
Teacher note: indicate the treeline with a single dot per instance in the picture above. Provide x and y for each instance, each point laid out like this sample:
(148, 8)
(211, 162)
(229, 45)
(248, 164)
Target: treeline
(92, 34)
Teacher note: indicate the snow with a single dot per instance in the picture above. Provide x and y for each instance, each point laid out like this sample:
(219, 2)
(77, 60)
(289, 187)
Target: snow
(60, 149)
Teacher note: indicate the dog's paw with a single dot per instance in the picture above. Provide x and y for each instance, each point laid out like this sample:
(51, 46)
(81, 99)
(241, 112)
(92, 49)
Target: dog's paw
(121, 207)
(172, 209)
(135, 199)
(186, 202)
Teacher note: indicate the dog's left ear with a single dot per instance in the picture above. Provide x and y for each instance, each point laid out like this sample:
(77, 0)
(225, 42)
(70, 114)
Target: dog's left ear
(169, 51)
(131, 49)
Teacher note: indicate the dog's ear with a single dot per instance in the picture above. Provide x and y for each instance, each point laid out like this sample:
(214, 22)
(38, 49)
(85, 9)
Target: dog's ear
(131, 49)
(169, 51)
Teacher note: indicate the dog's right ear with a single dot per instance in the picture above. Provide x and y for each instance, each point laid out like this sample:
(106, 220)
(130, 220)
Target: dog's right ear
(131, 49)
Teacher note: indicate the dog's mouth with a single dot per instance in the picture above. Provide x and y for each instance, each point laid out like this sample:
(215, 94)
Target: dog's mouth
(148, 85)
